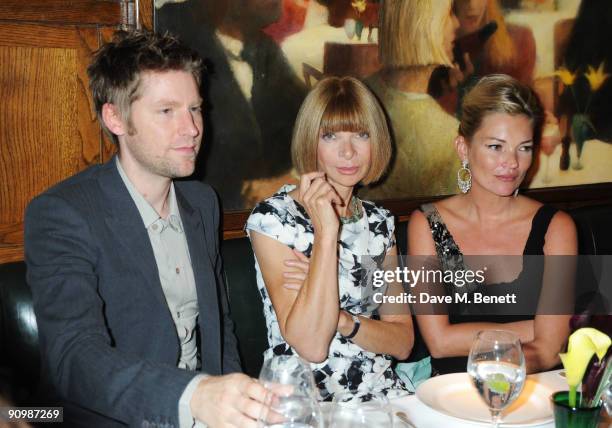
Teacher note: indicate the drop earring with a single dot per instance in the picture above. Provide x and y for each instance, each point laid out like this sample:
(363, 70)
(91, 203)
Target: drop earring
(464, 177)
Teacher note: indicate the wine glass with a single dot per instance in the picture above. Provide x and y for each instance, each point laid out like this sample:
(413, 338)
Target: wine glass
(361, 410)
(292, 394)
(496, 365)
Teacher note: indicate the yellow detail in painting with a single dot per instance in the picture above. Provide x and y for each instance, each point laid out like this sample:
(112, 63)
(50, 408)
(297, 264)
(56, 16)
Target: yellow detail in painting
(597, 77)
(359, 5)
(566, 76)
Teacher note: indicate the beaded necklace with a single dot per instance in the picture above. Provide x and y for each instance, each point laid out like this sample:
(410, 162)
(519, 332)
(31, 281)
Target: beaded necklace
(356, 210)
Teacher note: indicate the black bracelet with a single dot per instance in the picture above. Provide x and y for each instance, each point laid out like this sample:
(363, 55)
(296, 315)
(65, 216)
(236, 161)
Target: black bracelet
(355, 327)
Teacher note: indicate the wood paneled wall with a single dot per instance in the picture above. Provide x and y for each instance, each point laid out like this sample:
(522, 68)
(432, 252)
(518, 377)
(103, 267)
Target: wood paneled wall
(48, 129)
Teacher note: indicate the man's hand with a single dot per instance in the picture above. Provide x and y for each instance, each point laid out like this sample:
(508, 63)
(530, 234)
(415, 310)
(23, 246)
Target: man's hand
(234, 400)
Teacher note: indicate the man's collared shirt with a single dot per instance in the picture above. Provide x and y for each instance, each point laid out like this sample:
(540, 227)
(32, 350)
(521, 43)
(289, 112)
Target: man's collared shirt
(174, 265)
(173, 261)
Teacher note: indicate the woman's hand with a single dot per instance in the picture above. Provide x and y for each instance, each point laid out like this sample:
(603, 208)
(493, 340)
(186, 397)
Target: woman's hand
(318, 198)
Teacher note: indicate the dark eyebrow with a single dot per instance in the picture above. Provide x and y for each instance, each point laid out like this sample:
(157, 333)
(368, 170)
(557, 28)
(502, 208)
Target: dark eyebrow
(501, 140)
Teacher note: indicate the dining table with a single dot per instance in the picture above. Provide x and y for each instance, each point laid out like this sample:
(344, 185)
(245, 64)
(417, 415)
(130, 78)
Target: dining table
(421, 415)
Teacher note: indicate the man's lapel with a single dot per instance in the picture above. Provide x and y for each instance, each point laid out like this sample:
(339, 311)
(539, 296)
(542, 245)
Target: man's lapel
(126, 224)
(203, 262)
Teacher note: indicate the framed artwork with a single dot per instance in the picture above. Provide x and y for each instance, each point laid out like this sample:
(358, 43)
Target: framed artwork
(262, 57)
(532, 5)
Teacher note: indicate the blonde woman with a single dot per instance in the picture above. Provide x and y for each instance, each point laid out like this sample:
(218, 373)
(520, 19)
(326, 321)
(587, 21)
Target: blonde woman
(510, 50)
(309, 241)
(496, 143)
(416, 36)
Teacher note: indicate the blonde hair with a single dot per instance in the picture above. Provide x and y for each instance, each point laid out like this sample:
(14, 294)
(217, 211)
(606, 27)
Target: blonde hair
(500, 47)
(340, 104)
(412, 32)
(499, 93)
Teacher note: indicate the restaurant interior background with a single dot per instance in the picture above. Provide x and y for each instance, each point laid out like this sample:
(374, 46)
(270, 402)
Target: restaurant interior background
(48, 128)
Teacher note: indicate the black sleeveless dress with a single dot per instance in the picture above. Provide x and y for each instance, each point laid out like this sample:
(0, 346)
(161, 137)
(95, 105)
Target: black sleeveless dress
(450, 258)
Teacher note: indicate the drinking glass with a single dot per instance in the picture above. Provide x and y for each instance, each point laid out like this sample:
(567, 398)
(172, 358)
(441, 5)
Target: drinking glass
(567, 416)
(496, 365)
(361, 410)
(292, 394)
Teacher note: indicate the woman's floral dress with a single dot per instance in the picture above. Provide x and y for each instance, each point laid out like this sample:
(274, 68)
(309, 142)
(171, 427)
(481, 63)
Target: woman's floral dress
(348, 366)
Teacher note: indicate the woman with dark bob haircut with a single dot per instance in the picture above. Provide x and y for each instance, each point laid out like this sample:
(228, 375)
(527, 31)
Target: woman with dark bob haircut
(497, 135)
(309, 241)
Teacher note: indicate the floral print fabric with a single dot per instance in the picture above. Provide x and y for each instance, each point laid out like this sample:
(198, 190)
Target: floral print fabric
(348, 366)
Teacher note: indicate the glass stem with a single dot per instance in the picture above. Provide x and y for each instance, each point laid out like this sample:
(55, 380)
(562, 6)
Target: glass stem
(495, 418)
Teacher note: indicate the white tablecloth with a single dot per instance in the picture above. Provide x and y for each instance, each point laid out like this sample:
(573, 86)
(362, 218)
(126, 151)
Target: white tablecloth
(424, 417)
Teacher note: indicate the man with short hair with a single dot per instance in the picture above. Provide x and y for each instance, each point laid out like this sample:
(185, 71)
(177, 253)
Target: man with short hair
(124, 262)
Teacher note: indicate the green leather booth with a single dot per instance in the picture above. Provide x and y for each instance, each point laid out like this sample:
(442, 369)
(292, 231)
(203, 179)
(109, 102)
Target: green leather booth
(19, 354)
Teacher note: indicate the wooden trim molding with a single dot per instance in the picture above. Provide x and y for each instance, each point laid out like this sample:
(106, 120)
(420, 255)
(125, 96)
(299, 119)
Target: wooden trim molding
(11, 242)
(561, 197)
(137, 14)
(129, 14)
(94, 12)
(146, 13)
(233, 222)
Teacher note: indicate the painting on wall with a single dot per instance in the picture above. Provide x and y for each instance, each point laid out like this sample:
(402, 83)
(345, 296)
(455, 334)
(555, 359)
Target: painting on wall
(262, 57)
(534, 5)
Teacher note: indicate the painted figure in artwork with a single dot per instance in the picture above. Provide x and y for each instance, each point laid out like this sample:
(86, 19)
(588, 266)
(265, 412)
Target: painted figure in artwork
(415, 37)
(255, 95)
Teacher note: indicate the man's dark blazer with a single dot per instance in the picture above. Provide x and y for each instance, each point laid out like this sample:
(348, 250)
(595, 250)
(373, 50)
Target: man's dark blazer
(109, 343)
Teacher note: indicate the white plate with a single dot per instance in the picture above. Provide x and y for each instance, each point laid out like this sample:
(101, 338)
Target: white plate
(455, 395)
